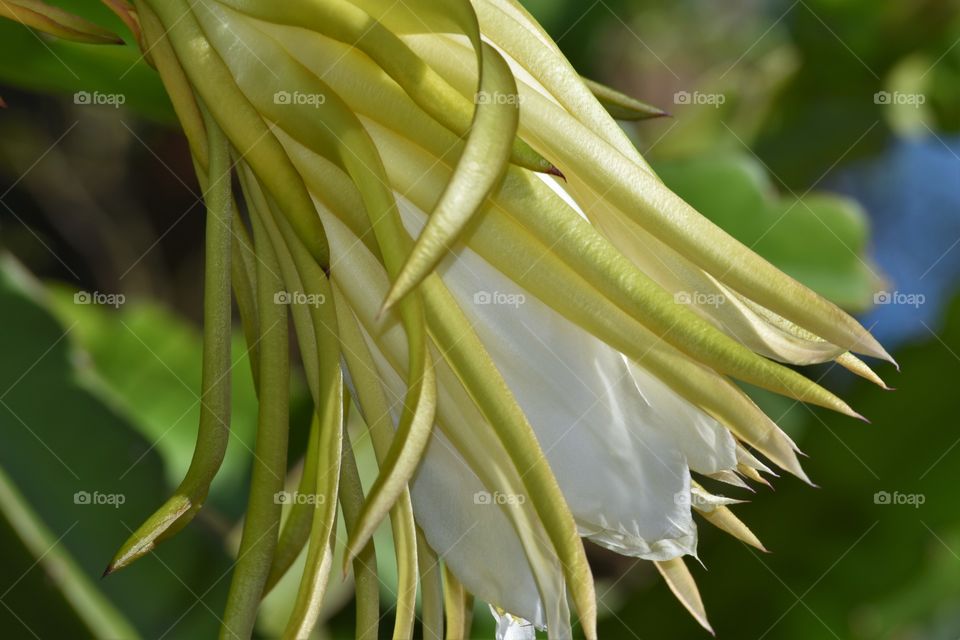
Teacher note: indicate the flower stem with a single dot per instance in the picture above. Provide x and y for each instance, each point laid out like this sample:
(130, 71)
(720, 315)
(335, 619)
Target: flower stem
(262, 523)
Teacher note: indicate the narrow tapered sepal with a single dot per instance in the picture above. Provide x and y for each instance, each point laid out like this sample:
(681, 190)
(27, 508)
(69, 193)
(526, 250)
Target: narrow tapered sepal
(56, 22)
(621, 106)
(684, 587)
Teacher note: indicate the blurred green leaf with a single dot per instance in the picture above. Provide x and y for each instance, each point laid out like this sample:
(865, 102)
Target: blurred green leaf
(146, 362)
(101, 617)
(827, 112)
(61, 443)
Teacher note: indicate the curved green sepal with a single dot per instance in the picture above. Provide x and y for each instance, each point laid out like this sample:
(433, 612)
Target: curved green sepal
(214, 430)
(477, 173)
(56, 22)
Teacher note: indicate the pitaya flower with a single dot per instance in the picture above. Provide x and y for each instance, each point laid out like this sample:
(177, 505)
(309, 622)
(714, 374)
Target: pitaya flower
(541, 338)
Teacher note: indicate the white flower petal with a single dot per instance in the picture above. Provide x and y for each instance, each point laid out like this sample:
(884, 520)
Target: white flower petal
(510, 627)
(472, 534)
(473, 537)
(607, 427)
